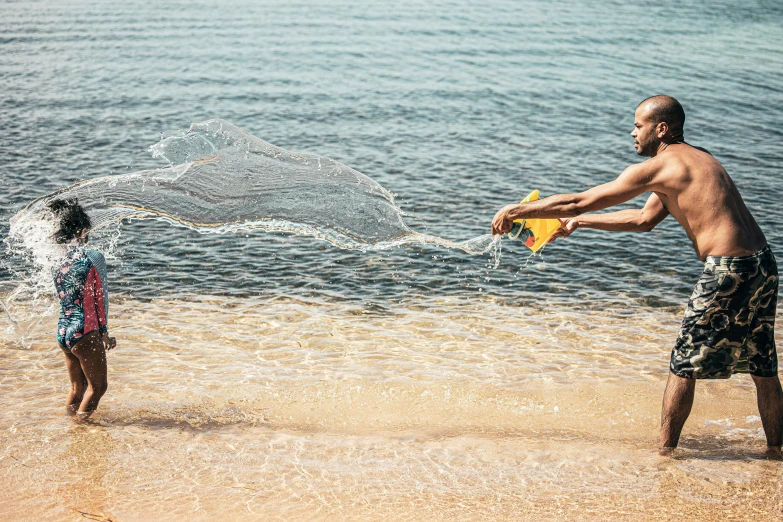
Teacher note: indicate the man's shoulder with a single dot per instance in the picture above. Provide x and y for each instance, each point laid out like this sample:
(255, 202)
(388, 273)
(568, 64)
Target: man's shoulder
(657, 164)
(682, 157)
(689, 163)
(663, 169)
(702, 149)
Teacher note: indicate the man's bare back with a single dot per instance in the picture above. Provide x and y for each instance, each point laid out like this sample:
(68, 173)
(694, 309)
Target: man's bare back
(695, 188)
(729, 320)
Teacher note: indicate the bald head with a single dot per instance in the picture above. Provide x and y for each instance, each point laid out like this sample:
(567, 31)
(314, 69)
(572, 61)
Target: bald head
(665, 109)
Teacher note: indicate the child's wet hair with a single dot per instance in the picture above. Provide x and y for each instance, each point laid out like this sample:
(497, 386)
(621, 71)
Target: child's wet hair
(73, 219)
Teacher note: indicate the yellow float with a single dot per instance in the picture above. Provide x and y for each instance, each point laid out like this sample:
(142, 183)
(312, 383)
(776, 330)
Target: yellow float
(533, 232)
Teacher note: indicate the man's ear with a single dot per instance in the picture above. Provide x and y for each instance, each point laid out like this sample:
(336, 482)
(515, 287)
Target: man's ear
(662, 129)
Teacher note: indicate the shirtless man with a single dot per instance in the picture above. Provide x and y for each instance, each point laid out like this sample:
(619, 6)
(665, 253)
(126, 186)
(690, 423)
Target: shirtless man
(730, 319)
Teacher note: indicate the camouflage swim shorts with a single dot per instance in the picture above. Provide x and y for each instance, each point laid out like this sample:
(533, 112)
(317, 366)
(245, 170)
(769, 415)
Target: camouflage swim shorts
(729, 325)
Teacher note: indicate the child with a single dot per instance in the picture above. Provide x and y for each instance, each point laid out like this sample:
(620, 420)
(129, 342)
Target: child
(82, 331)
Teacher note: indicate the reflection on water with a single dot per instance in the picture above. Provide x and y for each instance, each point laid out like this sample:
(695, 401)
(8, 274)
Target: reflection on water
(448, 409)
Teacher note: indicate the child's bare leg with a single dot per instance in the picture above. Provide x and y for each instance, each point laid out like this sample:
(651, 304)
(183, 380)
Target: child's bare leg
(92, 358)
(78, 383)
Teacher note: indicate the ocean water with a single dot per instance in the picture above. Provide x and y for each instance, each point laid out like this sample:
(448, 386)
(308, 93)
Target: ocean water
(268, 375)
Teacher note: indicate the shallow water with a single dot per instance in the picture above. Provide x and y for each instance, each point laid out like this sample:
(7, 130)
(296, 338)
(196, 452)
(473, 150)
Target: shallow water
(220, 408)
(264, 375)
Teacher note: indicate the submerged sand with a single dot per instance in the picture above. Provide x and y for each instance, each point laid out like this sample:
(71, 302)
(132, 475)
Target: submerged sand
(441, 410)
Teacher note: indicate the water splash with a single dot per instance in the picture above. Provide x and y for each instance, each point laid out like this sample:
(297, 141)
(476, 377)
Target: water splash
(222, 179)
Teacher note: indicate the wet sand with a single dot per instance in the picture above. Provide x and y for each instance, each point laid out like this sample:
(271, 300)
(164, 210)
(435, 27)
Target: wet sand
(449, 410)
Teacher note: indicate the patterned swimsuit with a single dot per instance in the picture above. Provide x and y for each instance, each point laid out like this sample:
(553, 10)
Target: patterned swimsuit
(80, 281)
(729, 325)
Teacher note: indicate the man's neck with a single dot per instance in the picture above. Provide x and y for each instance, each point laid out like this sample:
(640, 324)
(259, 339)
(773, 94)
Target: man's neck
(663, 145)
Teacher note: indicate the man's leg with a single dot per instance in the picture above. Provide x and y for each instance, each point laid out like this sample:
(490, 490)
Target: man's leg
(92, 357)
(770, 399)
(677, 403)
(78, 383)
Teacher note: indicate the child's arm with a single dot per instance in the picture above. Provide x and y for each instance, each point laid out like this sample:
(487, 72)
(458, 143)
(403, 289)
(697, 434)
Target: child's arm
(95, 289)
(100, 305)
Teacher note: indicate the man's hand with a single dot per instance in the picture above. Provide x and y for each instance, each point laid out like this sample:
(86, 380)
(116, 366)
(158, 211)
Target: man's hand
(109, 342)
(567, 227)
(502, 222)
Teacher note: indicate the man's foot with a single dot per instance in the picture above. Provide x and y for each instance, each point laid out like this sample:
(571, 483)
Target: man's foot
(666, 451)
(773, 453)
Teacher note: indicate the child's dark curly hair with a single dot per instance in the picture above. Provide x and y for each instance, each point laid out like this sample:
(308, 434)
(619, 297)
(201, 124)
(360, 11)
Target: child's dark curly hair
(73, 219)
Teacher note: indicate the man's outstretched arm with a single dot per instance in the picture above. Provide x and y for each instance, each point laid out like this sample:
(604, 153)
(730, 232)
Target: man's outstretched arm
(636, 220)
(635, 180)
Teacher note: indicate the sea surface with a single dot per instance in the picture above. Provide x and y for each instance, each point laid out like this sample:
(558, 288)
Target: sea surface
(272, 376)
